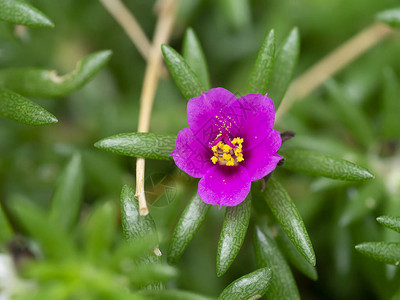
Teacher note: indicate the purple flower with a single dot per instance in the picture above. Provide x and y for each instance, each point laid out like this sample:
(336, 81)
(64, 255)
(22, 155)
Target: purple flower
(229, 143)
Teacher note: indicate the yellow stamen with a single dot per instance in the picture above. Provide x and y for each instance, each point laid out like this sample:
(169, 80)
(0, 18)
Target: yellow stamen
(227, 155)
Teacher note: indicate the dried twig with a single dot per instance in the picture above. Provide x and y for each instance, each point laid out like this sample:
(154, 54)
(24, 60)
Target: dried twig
(333, 63)
(162, 33)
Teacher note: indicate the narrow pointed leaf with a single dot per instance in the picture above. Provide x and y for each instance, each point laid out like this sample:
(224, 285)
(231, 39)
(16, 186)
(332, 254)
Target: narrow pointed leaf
(236, 12)
(282, 284)
(385, 252)
(284, 66)
(188, 225)
(20, 12)
(350, 115)
(173, 295)
(262, 71)
(390, 222)
(140, 144)
(391, 105)
(185, 79)
(55, 243)
(250, 286)
(67, 198)
(6, 231)
(232, 235)
(390, 16)
(47, 83)
(15, 107)
(287, 215)
(100, 230)
(294, 256)
(318, 164)
(195, 58)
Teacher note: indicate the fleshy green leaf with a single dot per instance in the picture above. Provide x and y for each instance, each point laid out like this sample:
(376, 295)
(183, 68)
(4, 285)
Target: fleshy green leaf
(185, 79)
(173, 295)
(250, 286)
(67, 198)
(350, 115)
(140, 144)
(262, 71)
(5, 229)
(287, 215)
(232, 235)
(294, 256)
(282, 284)
(390, 222)
(18, 108)
(20, 12)
(195, 58)
(385, 252)
(390, 16)
(47, 84)
(391, 105)
(318, 164)
(284, 66)
(188, 225)
(55, 243)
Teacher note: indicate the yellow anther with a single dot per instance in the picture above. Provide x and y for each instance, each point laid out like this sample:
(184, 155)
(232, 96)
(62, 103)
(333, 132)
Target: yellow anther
(214, 159)
(226, 148)
(226, 154)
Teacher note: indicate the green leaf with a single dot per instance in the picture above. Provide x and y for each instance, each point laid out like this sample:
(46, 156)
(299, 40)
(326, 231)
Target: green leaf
(318, 164)
(140, 144)
(186, 80)
(6, 231)
(195, 58)
(391, 105)
(350, 114)
(173, 295)
(232, 235)
(22, 110)
(47, 84)
(294, 256)
(385, 252)
(100, 230)
(55, 243)
(284, 66)
(390, 16)
(20, 12)
(262, 71)
(67, 198)
(237, 13)
(282, 285)
(188, 225)
(390, 222)
(250, 286)
(287, 215)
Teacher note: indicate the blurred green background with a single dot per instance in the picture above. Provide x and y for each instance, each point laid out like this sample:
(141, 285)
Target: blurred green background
(337, 215)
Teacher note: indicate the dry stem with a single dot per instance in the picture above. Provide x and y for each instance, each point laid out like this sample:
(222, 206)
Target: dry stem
(332, 63)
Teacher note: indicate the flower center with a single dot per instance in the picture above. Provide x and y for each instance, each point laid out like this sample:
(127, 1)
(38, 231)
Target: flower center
(229, 154)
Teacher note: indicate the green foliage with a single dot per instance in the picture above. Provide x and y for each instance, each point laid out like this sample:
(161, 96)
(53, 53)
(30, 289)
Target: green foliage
(173, 295)
(20, 12)
(391, 105)
(284, 66)
(233, 232)
(317, 164)
(188, 225)
(249, 286)
(18, 108)
(195, 58)
(385, 252)
(390, 16)
(185, 79)
(139, 144)
(5, 228)
(282, 284)
(32, 82)
(390, 222)
(263, 68)
(287, 215)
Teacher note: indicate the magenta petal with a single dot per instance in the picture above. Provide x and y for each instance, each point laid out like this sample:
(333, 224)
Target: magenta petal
(224, 186)
(191, 155)
(262, 159)
(207, 114)
(258, 116)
